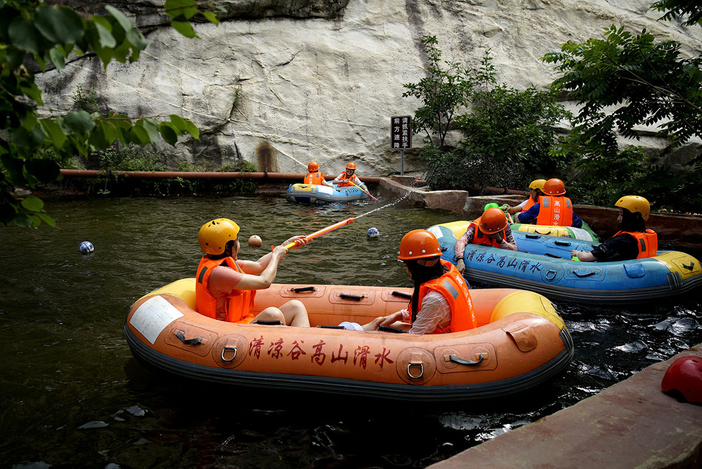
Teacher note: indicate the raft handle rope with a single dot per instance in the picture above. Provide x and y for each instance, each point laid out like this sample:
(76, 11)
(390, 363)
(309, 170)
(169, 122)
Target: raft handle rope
(391, 329)
(586, 274)
(563, 243)
(533, 236)
(303, 289)
(463, 361)
(403, 295)
(268, 323)
(195, 341)
(345, 296)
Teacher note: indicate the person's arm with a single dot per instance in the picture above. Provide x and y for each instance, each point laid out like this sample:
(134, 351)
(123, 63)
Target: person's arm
(577, 221)
(360, 183)
(516, 208)
(460, 247)
(509, 242)
(339, 178)
(435, 312)
(327, 183)
(583, 256)
(530, 215)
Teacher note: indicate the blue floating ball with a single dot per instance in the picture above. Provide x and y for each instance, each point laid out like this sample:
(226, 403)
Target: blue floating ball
(373, 232)
(86, 247)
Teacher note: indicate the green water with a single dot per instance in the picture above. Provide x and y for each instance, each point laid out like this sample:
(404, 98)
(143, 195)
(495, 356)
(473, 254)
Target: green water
(73, 396)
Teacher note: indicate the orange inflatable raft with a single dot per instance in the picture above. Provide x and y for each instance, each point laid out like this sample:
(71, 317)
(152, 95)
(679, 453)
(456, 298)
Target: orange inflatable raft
(520, 342)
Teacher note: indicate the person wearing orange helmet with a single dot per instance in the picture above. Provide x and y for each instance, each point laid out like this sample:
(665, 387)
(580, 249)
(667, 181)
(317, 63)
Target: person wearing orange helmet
(226, 286)
(553, 208)
(348, 178)
(536, 188)
(632, 241)
(491, 229)
(441, 299)
(315, 176)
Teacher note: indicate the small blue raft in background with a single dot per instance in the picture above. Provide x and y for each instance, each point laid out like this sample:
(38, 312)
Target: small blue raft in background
(542, 264)
(313, 193)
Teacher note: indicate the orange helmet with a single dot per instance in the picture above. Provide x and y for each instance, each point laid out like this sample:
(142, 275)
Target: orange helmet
(492, 221)
(554, 187)
(419, 244)
(312, 166)
(351, 166)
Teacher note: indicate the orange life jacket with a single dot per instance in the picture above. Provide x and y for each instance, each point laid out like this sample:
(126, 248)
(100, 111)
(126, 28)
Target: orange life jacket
(530, 203)
(647, 242)
(454, 288)
(346, 180)
(314, 177)
(481, 238)
(235, 307)
(555, 211)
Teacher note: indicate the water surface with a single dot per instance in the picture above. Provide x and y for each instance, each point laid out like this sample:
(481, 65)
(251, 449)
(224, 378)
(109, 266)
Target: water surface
(73, 396)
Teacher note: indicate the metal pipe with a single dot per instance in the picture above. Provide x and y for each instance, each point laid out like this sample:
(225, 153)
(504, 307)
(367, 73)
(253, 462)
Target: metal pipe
(297, 177)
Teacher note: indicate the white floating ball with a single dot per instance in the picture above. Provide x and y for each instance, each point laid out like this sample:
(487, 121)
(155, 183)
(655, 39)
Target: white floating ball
(86, 247)
(373, 232)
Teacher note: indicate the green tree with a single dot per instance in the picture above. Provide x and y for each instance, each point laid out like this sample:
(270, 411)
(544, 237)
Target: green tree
(508, 134)
(46, 34)
(626, 80)
(442, 93)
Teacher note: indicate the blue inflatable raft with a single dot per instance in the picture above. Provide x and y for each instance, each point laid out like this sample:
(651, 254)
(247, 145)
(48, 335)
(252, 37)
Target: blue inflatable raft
(312, 193)
(542, 264)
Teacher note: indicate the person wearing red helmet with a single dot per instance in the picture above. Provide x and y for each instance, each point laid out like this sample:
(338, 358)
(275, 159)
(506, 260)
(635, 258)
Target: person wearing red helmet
(348, 178)
(441, 299)
(226, 286)
(632, 241)
(553, 208)
(491, 229)
(315, 176)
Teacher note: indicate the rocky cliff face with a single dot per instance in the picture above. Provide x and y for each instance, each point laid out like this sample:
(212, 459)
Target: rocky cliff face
(280, 83)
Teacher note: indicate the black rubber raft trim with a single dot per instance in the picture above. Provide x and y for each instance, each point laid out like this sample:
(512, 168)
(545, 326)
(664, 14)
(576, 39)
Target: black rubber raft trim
(526, 381)
(588, 296)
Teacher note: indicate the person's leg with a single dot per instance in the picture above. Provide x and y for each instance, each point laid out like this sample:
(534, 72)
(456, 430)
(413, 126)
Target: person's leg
(270, 314)
(295, 314)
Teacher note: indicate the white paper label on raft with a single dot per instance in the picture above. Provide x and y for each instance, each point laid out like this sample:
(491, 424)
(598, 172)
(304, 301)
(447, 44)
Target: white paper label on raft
(153, 316)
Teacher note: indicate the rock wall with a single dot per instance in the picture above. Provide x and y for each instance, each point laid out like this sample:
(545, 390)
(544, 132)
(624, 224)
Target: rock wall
(280, 83)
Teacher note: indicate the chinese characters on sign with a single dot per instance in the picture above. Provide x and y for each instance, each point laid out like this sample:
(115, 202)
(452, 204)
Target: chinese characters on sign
(401, 132)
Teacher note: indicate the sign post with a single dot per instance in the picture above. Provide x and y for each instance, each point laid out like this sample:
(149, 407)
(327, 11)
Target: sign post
(401, 137)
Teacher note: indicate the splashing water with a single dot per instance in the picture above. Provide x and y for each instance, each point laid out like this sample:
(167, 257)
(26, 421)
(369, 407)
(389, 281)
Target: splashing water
(385, 206)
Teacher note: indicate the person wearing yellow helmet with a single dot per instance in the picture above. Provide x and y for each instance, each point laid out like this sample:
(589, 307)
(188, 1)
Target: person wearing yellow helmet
(226, 286)
(491, 229)
(441, 299)
(348, 178)
(536, 188)
(554, 208)
(632, 241)
(315, 176)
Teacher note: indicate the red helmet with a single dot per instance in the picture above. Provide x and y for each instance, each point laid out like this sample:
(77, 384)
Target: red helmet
(419, 244)
(685, 377)
(312, 166)
(351, 166)
(554, 187)
(492, 221)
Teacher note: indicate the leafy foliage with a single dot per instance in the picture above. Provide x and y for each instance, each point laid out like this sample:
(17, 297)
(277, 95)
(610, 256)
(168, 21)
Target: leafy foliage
(442, 93)
(646, 82)
(47, 34)
(507, 134)
(680, 8)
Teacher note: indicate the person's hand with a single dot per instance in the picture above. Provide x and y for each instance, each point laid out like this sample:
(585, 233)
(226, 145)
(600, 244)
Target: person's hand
(299, 241)
(460, 265)
(499, 237)
(574, 254)
(279, 253)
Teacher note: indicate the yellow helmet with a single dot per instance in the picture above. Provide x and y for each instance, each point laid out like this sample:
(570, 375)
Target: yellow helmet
(537, 184)
(214, 235)
(635, 203)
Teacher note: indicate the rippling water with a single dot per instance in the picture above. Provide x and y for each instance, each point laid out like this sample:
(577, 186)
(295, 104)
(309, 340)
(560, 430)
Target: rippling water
(73, 396)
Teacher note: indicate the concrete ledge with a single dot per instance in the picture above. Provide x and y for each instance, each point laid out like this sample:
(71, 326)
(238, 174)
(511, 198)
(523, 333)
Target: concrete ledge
(632, 424)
